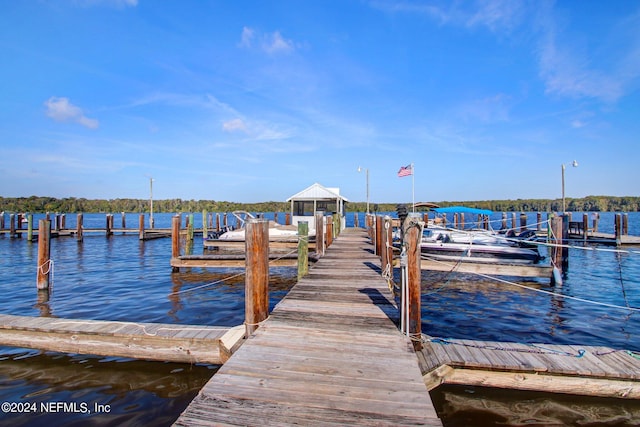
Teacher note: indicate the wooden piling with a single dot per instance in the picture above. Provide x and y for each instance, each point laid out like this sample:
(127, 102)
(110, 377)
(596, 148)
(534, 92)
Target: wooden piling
(556, 236)
(461, 220)
(523, 221)
(565, 243)
(44, 252)
(585, 227)
(618, 228)
(504, 220)
(386, 257)
(287, 218)
(625, 224)
(109, 223)
(124, 220)
(378, 235)
(412, 242)
(141, 226)
(29, 227)
(320, 233)
(12, 225)
(257, 273)
(79, 227)
(513, 221)
(539, 221)
(356, 220)
(329, 230)
(303, 249)
(175, 239)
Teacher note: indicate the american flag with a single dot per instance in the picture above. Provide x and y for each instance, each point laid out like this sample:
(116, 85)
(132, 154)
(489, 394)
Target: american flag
(405, 171)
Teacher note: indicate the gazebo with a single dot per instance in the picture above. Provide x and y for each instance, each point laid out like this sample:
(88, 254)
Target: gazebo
(317, 198)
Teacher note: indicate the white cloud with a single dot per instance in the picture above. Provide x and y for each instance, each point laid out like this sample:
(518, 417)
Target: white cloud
(271, 43)
(61, 110)
(247, 37)
(234, 125)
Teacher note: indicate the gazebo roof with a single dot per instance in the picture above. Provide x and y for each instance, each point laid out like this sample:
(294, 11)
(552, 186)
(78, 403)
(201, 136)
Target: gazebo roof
(318, 192)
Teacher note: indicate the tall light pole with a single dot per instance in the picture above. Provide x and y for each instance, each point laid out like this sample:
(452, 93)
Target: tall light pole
(367, 170)
(575, 165)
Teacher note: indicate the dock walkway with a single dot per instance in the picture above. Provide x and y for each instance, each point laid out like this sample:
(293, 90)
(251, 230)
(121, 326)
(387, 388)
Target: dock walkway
(329, 354)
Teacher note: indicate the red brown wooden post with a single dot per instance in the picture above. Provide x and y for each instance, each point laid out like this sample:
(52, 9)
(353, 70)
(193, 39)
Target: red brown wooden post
(319, 233)
(44, 251)
(79, 227)
(412, 242)
(141, 227)
(217, 221)
(257, 273)
(585, 226)
(175, 239)
(287, 218)
(379, 222)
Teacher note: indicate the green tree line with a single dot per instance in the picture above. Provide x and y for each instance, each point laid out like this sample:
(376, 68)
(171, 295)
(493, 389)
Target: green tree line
(37, 204)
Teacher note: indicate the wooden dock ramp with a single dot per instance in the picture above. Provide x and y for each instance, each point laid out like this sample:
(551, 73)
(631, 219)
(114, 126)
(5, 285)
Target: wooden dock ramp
(329, 354)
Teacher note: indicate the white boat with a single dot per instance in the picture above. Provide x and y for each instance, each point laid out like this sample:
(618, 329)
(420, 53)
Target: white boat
(276, 231)
(479, 245)
(439, 242)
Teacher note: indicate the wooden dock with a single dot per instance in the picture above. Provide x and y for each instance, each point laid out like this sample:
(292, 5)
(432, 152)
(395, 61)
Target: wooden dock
(329, 354)
(570, 369)
(149, 341)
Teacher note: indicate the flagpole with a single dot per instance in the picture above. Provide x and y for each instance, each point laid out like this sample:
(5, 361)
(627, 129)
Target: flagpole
(413, 188)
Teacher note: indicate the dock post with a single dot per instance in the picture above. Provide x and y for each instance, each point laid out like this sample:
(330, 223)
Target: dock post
(79, 227)
(386, 260)
(504, 221)
(539, 221)
(329, 229)
(287, 218)
(44, 252)
(513, 221)
(29, 227)
(303, 249)
(523, 221)
(556, 235)
(618, 228)
(585, 226)
(205, 229)
(625, 224)
(461, 220)
(413, 323)
(175, 239)
(319, 233)
(257, 273)
(124, 220)
(455, 220)
(141, 227)
(108, 224)
(596, 216)
(378, 235)
(12, 225)
(356, 220)
(217, 221)
(565, 243)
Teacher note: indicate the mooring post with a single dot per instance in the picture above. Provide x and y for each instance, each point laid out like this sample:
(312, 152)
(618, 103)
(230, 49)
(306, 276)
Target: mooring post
(257, 273)
(44, 251)
(29, 227)
(319, 221)
(287, 218)
(205, 229)
(625, 224)
(108, 225)
(378, 235)
(523, 221)
(303, 249)
(461, 220)
(565, 243)
(79, 227)
(141, 226)
(386, 259)
(412, 246)
(124, 220)
(556, 236)
(356, 220)
(618, 228)
(585, 226)
(329, 229)
(175, 239)
(12, 225)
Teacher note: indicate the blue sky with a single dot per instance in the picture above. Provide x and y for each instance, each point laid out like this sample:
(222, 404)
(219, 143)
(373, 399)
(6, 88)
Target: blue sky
(255, 100)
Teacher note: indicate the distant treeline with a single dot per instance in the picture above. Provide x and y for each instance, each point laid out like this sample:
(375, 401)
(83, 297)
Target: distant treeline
(36, 204)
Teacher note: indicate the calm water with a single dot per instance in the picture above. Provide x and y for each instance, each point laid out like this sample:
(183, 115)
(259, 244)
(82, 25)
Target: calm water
(121, 278)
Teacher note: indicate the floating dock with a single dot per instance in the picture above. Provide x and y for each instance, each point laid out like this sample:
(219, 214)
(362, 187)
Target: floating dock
(570, 369)
(149, 341)
(329, 354)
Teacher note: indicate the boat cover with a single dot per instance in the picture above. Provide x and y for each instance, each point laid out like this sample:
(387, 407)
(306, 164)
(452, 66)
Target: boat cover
(458, 209)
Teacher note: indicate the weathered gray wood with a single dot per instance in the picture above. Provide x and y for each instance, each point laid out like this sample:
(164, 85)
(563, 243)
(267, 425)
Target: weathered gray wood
(150, 341)
(329, 354)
